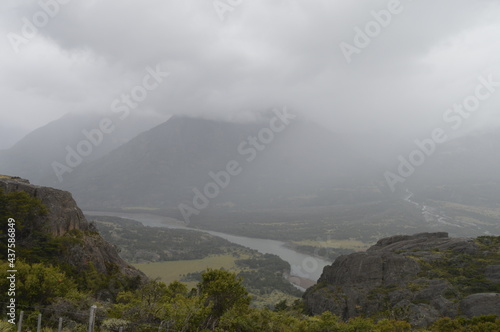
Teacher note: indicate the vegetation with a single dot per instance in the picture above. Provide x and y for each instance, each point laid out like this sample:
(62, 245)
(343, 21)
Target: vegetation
(176, 254)
(28, 225)
(476, 324)
(367, 221)
(139, 244)
(220, 301)
(465, 272)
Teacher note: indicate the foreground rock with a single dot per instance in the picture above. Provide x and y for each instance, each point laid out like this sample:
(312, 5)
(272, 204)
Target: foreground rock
(65, 219)
(418, 278)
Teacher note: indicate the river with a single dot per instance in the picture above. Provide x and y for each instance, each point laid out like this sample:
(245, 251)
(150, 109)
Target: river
(302, 265)
(433, 216)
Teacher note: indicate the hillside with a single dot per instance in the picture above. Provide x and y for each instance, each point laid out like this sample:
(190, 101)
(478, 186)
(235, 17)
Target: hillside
(417, 278)
(33, 156)
(306, 176)
(60, 261)
(160, 168)
(178, 254)
(463, 170)
(60, 226)
(64, 266)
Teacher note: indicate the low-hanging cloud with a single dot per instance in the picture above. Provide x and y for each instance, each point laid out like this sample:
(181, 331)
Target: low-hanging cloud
(264, 53)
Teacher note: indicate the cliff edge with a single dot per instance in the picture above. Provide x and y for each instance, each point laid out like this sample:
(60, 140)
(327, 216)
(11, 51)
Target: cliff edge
(78, 242)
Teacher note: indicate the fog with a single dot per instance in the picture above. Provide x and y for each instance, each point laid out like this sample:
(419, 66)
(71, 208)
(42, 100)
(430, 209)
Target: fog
(229, 61)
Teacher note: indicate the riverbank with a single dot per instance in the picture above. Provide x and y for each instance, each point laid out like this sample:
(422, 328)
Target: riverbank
(305, 269)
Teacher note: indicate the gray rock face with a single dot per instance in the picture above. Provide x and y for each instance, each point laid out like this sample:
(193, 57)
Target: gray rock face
(64, 216)
(480, 304)
(371, 269)
(493, 273)
(387, 279)
(424, 241)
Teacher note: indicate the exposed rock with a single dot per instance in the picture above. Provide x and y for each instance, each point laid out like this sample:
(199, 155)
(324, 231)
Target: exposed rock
(394, 278)
(493, 273)
(423, 242)
(372, 270)
(480, 304)
(65, 216)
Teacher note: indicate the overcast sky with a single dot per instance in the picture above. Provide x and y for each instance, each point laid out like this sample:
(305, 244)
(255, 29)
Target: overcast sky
(227, 61)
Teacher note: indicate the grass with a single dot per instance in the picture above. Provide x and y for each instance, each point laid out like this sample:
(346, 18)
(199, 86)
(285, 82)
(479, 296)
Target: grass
(174, 270)
(140, 208)
(340, 244)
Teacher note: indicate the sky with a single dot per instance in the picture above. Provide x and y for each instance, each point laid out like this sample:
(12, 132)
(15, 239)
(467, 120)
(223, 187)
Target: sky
(354, 66)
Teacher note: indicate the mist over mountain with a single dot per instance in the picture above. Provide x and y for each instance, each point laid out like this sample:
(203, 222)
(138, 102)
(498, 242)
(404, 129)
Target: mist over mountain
(33, 156)
(161, 167)
(463, 170)
(270, 169)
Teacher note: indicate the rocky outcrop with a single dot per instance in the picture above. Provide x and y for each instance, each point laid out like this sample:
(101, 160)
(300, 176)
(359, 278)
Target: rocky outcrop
(480, 304)
(493, 273)
(64, 219)
(407, 277)
(63, 213)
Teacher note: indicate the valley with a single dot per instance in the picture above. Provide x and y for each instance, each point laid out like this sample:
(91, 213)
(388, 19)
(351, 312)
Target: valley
(250, 166)
(174, 254)
(305, 265)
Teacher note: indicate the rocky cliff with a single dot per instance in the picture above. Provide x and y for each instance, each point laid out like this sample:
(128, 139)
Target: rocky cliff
(419, 278)
(80, 243)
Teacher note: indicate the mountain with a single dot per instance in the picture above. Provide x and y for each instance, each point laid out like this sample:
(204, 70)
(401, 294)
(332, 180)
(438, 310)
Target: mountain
(417, 278)
(34, 155)
(160, 168)
(282, 168)
(463, 170)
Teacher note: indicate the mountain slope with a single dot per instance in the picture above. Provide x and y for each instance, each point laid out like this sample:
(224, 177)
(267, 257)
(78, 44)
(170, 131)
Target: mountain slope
(33, 156)
(161, 167)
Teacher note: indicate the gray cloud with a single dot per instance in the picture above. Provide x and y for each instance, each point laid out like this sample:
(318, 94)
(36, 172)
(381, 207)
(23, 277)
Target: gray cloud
(265, 53)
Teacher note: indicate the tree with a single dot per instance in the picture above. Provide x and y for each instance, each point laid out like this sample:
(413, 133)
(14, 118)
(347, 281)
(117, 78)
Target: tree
(25, 210)
(37, 284)
(224, 291)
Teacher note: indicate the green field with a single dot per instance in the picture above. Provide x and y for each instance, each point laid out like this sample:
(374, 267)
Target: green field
(341, 244)
(175, 270)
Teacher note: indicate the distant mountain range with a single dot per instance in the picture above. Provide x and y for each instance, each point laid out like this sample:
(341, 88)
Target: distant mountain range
(169, 164)
(32, 157)
(277, 162)
(465, 170)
